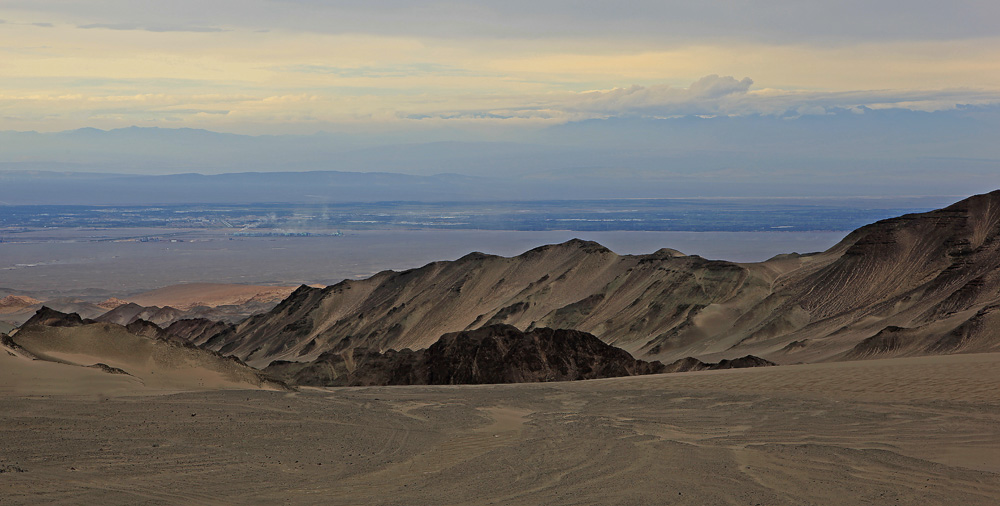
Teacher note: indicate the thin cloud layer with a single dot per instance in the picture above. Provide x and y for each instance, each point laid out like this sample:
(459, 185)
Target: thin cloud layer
(772, 21)
(398, 70)
(708, 95)
(721, 96)
(395, 64)
(153, 28)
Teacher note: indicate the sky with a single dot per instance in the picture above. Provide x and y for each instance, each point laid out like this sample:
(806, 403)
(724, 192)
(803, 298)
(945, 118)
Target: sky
(380, 66)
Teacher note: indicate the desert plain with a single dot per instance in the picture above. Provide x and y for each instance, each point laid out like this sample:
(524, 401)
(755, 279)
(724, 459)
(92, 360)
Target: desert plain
(922, 430)
(396, 253)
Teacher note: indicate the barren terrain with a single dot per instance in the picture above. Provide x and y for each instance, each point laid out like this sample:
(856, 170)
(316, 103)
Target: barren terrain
(922, 430)
(917, 284)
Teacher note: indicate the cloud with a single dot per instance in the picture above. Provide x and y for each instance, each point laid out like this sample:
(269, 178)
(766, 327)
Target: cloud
(705, 96)
(197, 111)
(783, 102)
(815, 110)
(768, 21)
(773, 21)
(715, 95)
(710, 96)
(43, 25)
(377, 71)
(153, 28)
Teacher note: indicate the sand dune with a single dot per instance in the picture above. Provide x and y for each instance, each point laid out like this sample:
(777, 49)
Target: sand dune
(16, 303)
(912, 431)
(154, 364)
(189, 295)
(25, 376)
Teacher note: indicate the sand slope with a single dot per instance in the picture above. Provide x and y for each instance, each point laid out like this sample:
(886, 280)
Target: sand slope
(155, 364)
(912, 431)
(21, 375)
(189, 295)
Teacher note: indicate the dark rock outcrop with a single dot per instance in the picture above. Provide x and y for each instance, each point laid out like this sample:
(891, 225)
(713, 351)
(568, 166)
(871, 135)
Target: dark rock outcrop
(740, 363)
(492, 354)
(110, 370)
(693, 364)
(51, 318)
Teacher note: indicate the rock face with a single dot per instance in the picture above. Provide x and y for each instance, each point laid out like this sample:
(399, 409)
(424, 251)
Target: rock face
(196, 330)
(492, 354)
(188, 333)
(936, 274)
(51, 318)
(906, 283)
(693, 364)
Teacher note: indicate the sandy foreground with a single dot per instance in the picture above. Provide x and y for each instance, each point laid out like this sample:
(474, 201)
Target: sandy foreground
(902, 431)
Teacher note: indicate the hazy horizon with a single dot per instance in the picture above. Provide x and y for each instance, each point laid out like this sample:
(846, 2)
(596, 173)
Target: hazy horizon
(854, 109)
(852, 155)
(681, 99)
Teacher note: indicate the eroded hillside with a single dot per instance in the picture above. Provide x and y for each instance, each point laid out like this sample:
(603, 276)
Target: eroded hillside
(933, 274)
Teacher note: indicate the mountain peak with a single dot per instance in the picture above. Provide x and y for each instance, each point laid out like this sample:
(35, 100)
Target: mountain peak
(572, 244)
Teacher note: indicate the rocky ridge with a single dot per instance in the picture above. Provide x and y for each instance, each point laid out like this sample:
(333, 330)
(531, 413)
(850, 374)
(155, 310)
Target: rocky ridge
(937, 273)
(491, 354)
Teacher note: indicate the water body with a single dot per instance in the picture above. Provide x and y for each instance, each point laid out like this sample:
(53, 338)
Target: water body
(97, 263)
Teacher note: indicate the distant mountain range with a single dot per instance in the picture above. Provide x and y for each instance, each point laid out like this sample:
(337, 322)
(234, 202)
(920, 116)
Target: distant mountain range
(29, 188)
(858, 152)
(319, 187)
